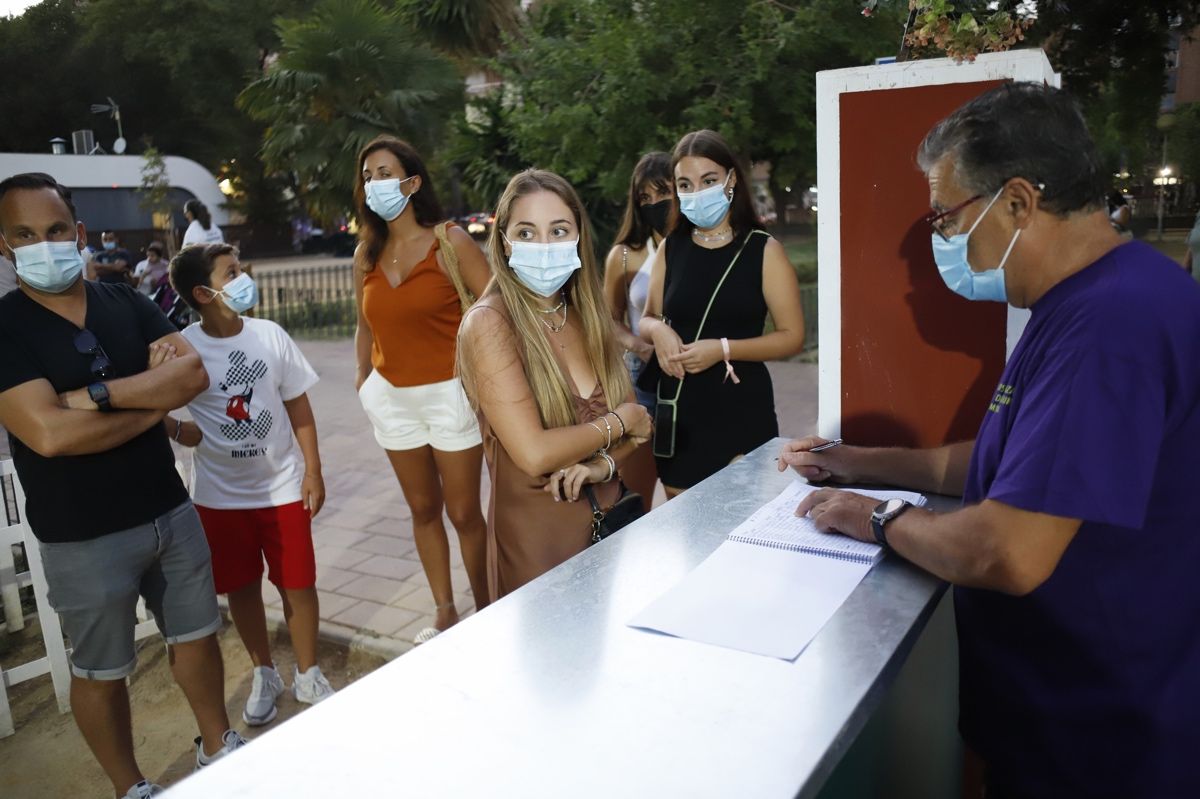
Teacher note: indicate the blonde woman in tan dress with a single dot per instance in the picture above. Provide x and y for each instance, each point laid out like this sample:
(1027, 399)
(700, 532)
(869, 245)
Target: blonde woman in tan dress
(539, 361)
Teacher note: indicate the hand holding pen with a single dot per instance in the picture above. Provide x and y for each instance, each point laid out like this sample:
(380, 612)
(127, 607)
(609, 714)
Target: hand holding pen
(818, 460)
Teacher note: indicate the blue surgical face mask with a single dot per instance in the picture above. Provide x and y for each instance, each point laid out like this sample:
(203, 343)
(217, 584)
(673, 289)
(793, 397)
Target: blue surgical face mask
(110, 245)
(706, 208)
(239, 294)
(385, 198)
(49, 266)
(544, 268)
(951, 259)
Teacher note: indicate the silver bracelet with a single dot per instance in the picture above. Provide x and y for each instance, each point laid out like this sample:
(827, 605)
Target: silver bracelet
(597, 427)
(612, 466)
(178, 429)
(607, 427)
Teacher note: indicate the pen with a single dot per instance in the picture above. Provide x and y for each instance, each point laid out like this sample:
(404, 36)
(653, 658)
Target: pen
(830, 445)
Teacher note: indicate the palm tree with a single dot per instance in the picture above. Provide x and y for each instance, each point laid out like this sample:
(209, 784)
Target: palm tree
(470, 30)
(345, 73)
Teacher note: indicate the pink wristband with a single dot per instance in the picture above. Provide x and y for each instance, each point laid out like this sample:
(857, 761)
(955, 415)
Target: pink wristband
(728, 366)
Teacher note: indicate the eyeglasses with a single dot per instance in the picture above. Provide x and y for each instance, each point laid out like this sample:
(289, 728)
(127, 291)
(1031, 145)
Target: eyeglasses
(87, 344)
(937, 220)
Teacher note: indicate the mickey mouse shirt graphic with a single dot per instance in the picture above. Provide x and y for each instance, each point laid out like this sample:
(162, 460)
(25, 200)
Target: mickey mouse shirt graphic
(248, 457)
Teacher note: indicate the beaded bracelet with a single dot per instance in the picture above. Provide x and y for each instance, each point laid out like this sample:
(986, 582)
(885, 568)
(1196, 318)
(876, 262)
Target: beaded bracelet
(621, 422)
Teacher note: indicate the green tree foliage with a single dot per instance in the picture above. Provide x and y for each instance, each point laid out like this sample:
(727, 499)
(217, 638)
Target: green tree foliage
(155, 194)
(593, 85)
(345, 73)
(466, 29)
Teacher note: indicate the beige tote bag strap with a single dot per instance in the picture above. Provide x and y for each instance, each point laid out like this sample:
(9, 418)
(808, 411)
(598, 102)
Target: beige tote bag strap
(450, 259)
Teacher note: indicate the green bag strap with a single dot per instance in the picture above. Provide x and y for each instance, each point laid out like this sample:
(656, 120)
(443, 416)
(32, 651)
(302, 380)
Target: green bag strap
(711, 300)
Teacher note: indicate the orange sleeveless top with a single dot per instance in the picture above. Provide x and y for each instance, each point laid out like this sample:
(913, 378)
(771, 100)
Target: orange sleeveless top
(414, 324)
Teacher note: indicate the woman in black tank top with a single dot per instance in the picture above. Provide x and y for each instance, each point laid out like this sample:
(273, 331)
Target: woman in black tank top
(713, 282)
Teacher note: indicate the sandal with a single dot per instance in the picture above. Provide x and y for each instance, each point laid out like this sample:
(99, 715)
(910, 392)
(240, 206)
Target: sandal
(428, 634)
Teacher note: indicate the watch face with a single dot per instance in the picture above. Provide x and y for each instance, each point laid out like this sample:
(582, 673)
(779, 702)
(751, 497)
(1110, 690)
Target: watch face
(889, 506)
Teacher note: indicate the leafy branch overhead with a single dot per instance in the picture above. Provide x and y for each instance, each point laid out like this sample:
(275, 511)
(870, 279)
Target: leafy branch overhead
(961, 30)
(345, 73)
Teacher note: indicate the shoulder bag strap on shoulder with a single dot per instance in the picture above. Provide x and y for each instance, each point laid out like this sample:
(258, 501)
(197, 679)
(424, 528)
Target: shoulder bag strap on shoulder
(450, 259)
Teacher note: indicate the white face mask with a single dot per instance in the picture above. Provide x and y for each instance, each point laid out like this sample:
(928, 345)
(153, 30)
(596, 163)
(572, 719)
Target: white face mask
(544, 268)
(49, 266)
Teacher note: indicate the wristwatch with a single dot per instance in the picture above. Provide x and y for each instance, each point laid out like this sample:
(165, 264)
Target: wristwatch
(884, 512)
(99, 394)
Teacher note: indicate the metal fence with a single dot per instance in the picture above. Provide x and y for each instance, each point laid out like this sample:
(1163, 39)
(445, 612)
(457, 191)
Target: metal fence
(314, 302)
(318, 302)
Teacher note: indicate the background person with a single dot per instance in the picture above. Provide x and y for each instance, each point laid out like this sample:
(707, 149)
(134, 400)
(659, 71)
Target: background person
(200, 229)
(1073, 557)
(627, 286)
(151, 271)
(409, 309)
(86, 377)
(716, 268)
(113, 264)
(1193, 244)
(540, 361)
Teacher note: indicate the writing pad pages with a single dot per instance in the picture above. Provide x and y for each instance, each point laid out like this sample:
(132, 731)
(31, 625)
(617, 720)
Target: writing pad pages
(776, 526)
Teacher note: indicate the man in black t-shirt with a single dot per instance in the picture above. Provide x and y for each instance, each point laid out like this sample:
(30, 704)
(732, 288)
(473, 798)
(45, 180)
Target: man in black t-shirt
(113, 264)
(87, 372)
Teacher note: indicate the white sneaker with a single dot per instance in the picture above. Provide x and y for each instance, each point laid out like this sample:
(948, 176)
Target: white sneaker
(143, 790)
(231, 741)
(260, 705)
(311, 687)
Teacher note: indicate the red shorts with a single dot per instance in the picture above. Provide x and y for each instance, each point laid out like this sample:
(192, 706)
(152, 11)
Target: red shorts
(240, 539)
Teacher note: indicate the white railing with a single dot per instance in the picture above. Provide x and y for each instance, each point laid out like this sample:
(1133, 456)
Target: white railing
(55, 662)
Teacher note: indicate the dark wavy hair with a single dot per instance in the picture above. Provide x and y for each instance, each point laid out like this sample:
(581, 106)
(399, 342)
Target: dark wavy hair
(652, 170)
(200, 211)
(372, 229)
(709, 144)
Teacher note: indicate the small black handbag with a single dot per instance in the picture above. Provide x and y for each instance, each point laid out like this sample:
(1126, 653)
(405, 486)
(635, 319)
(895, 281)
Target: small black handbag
(627, 509)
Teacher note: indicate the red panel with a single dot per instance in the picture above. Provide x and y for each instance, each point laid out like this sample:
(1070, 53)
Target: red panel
(919, 363)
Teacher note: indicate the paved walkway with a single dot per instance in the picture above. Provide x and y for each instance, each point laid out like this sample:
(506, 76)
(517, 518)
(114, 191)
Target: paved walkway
(372, 589)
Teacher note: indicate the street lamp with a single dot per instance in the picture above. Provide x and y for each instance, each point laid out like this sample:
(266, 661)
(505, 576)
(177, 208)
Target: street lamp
(1163, 176)
(114, 112)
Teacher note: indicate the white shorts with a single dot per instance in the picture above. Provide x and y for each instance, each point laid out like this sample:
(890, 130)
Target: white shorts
(437, 415)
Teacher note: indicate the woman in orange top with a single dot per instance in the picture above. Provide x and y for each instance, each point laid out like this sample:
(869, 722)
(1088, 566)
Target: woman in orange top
(408, 316)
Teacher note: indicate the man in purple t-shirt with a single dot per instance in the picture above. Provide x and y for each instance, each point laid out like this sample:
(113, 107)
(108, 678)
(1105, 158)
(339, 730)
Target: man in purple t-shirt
(1074, 557)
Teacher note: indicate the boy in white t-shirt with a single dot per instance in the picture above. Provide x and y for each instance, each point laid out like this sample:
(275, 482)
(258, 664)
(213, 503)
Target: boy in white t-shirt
(257, 478)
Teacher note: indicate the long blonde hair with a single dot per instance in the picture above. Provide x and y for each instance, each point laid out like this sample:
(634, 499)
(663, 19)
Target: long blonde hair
(585, 296)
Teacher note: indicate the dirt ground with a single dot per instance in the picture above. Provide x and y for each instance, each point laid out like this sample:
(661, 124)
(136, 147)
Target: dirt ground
(48, 757)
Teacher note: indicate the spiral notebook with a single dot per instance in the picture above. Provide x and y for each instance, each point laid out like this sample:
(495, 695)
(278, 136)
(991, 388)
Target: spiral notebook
(775, 525)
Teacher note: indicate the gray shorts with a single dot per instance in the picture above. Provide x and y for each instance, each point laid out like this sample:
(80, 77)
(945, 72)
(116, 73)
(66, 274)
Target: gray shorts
(94, 586)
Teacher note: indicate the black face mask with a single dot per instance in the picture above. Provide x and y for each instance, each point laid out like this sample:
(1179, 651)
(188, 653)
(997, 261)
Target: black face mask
(656, 214)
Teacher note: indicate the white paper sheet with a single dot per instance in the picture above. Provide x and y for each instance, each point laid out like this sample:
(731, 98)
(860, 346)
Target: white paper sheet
(754, 599)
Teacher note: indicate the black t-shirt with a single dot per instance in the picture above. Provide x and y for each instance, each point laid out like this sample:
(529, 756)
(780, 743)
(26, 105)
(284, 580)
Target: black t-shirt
(111, 257)
(81, 497)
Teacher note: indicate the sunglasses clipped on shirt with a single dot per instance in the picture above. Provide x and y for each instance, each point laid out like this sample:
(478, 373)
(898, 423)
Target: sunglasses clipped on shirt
(86, 343)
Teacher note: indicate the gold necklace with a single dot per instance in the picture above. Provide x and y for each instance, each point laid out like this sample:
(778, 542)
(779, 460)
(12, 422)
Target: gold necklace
(559, 328)
(561, 304)
(709, 237)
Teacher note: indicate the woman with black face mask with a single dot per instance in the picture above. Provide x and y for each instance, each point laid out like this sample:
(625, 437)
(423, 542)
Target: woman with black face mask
(627, 285)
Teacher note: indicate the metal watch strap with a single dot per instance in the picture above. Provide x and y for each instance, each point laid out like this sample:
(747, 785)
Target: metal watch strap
(878, 523)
